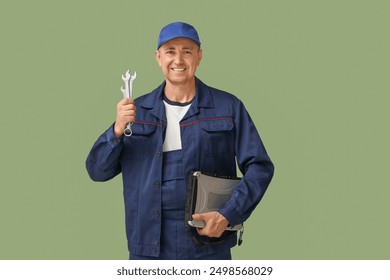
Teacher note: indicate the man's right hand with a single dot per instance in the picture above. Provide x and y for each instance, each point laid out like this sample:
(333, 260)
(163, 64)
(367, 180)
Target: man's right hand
(125, 113)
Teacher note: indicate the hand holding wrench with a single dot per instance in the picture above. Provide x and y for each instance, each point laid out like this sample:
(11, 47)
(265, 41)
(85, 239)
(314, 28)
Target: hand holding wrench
(127, 91)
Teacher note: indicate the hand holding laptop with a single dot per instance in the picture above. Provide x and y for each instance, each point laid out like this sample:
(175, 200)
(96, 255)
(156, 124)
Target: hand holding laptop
(214, 223)
(207, 194)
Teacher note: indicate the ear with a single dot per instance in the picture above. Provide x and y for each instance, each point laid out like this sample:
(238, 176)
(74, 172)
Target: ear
(200, 56)
(158, 57)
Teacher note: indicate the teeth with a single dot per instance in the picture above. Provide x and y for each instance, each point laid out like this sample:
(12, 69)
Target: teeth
(178, 69)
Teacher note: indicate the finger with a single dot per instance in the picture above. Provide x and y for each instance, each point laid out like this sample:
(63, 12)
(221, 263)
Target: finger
(207, 231)
(125, 101)
(128, 110)
(128, 107)
(197, 217)
(202, 231)
(128, 115)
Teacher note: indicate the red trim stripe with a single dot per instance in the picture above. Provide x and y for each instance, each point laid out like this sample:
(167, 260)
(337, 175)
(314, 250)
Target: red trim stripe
(207, 119)
(149, 123)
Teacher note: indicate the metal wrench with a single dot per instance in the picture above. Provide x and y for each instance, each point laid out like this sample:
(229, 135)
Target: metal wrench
(127, 91)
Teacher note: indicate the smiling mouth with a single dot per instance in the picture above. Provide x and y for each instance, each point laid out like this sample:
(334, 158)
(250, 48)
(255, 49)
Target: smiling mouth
(178, 69)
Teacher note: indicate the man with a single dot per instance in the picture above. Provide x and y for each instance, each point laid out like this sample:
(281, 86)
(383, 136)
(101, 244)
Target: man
(181, 126)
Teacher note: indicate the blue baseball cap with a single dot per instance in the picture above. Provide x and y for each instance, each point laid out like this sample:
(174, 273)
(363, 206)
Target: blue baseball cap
(177, 30)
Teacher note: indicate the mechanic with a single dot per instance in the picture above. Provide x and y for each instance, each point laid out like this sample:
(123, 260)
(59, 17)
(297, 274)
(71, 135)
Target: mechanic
(181, 126)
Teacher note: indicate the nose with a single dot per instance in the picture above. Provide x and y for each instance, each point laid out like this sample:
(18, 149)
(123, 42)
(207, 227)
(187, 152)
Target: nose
(178, 58)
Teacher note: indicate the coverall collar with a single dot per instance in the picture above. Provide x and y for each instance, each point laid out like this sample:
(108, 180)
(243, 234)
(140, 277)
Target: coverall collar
(203, 99)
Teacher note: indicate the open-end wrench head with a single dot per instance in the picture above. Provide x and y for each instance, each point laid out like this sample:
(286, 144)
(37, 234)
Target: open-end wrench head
(127, 76)
(128, 81)
(124, 91)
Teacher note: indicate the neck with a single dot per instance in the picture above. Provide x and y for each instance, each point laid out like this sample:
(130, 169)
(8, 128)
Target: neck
(180, 93)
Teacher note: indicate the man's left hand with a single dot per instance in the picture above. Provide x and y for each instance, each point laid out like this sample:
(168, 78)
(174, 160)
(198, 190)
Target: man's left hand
(215, 222)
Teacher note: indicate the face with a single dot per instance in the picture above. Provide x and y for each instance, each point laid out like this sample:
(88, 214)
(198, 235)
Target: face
(178, 59)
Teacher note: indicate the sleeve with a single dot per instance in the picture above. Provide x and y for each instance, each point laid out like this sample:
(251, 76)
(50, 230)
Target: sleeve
(255, 165)
(103, 161)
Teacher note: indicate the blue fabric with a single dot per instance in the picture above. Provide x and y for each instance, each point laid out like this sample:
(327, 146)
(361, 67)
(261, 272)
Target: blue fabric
(177, 30)
(176, 244)
(215, 132)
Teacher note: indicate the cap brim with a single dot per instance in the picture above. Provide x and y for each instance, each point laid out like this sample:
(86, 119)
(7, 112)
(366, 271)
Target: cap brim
(175, 37)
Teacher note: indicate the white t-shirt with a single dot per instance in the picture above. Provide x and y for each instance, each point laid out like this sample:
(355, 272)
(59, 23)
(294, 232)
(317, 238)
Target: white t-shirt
(174, 111)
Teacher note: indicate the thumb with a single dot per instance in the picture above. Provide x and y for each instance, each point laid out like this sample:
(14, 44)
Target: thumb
(197, 216)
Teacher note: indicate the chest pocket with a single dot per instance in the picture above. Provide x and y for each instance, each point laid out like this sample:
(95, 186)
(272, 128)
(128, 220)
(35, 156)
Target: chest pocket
(217, 136)
(141, 144)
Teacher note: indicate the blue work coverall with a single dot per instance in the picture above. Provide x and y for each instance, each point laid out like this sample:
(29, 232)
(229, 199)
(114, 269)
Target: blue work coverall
(216, 132)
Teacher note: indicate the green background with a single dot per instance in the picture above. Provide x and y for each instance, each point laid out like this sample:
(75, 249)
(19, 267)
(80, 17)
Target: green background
(314, 75)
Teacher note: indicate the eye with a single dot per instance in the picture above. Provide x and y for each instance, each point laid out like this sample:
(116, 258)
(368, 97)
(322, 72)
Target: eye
(170, 52)
(187, 52)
